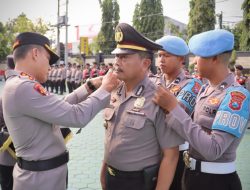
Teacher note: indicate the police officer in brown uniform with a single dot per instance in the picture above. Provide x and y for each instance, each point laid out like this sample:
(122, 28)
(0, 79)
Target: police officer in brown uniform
(7, 160)
(78, 76)
(220, 116)
(185, 88)
(68, 78)
(137, 142)
(32, 115)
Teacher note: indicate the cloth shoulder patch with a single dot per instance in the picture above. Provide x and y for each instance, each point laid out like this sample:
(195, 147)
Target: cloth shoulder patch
(233, 113)
(188, 94)
(39, 88)
(26, 76)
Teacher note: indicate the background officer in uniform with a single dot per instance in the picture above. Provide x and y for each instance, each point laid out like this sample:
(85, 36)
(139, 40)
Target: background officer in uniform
(73, 73)
(32, 115)
(220, 116)
(170, 60)
(240, 78)
(78, 76)
(137, 142)
(68, 78)
(7, 161)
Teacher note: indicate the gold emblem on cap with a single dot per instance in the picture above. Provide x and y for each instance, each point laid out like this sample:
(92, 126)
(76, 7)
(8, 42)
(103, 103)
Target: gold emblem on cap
(118, 35)
(139, 103)
(15, 44)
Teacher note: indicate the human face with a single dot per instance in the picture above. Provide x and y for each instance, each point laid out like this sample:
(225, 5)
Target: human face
(204, 66)
(42, 65)
(129, 66)
(238, 72)
(169, 63)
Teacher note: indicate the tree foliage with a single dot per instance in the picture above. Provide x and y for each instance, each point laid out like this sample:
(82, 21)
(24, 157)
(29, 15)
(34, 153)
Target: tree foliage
(148, 18)
(176, 31)
(201, 16)
(110, 18)
(245, 37)
(10, 29)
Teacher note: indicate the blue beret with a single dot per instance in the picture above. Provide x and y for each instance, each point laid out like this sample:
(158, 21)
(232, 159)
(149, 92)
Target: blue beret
(211, 43)
(173, 45)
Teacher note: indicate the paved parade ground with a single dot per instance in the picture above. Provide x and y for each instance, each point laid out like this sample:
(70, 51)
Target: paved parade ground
(86, 155)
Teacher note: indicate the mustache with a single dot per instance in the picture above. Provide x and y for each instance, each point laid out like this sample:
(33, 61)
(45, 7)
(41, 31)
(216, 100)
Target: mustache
(118, 69)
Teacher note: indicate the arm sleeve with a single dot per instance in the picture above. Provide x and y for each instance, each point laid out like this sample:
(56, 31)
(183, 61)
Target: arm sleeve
(50, 109)
(211, 146)
(166, 136)
(77, 96)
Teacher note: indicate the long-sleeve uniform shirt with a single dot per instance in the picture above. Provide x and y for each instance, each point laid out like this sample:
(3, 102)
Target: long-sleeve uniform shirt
(135, 130)
(5, 157)
(32, 116)
(220, 119)
(185, 88)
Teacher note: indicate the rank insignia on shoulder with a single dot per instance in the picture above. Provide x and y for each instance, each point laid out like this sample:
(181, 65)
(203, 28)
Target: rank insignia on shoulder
(236, 100)
(25, 75)
(39, 88)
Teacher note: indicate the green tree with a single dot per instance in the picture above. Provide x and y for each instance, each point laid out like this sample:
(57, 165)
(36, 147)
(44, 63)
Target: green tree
(201, 16)
(4, 42)
(110, 18)
(245, 36)
(94, 47)
(176, 31)
(148, 18)
(237, 31)
(15, 26)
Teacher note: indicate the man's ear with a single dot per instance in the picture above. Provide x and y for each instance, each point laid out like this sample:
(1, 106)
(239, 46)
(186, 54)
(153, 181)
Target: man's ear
(147, 63)
(34, 52)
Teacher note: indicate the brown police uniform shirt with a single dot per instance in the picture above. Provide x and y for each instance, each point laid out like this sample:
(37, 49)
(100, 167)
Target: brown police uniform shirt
(204, 145)
(31, 115)
(135, 132)
(5, 158)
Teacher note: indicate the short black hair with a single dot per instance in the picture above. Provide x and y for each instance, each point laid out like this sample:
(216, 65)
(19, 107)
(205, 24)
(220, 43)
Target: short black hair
(10, 62)
(22, 51)
(239, 67)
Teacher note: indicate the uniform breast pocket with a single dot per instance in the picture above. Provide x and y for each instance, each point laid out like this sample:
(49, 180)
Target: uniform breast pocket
(108, 116)
(134, 128)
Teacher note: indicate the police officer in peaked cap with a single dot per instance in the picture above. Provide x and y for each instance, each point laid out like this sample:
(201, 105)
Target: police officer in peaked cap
(33, 116)
(141, 152)
(220, 116)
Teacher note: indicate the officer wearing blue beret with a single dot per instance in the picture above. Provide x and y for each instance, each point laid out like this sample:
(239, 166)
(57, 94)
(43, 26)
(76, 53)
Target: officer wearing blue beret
(220, 116)
(170, 59)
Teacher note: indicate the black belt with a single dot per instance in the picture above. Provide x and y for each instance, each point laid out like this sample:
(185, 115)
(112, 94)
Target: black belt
(43, 165)
(117, 173)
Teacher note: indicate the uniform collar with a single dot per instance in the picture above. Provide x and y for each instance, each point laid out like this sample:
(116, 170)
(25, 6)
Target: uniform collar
(180, 77)
(228, 81)
(11, 73)
(137, 91)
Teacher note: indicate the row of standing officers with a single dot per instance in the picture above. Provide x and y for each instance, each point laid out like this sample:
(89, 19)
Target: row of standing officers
(73, 76)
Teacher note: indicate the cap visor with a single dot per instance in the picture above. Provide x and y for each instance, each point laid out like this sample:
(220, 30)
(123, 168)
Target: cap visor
(123, 51)
(53, 56)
